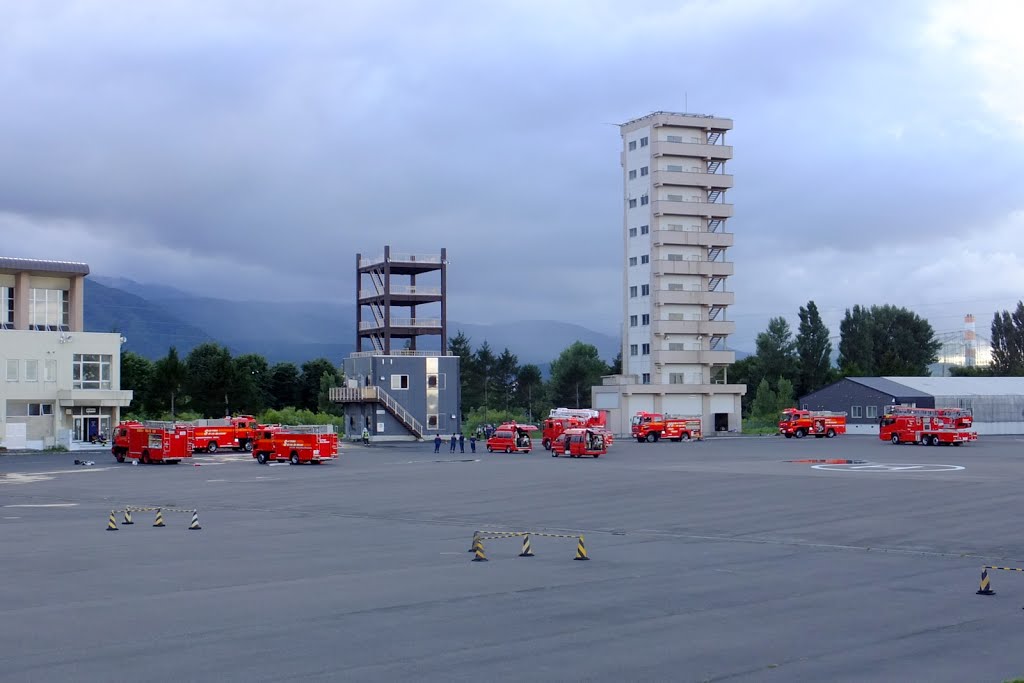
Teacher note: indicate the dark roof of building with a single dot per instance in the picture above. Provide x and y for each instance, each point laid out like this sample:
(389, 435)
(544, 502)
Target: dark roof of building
(43, 266)
(887, 386)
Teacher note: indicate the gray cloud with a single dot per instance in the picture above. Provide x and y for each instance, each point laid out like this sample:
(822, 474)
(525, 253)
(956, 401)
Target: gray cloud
(259, 146)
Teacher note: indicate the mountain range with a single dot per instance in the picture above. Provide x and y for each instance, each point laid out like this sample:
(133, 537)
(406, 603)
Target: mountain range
(152, 318)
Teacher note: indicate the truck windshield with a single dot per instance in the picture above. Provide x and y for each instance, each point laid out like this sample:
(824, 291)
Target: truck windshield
(786, 417)
(636, 420)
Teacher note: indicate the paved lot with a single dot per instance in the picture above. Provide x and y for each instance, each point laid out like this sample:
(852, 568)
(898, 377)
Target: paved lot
(711, 561)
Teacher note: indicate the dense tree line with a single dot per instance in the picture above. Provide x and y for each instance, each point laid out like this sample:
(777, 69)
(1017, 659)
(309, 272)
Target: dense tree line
(210, 383)
(880, 340)
(497, 386)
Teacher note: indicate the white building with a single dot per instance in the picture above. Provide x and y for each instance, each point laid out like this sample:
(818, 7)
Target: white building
(675, 352)
(60, 384)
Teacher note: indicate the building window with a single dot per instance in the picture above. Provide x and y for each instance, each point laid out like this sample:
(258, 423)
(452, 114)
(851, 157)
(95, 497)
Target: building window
(40, 409)
(632, 203)
(676, 378)
(7, 308)
(632, 260)
(643, 142)
(31, 371)
(675, 168)
(644, 200)
(632, 145)
(674, 197)
(645, 290)
(431, 421)
(632, 295)
(90, 371)
(632, 232)
(643, 170)
(49, 309)
(399, 381)
(644, 229)
(645, 319)
(856, 411)
(632, 349)
(674, 138)
(870, 411)
(632, 174)
(632, 321)
(645, 378)
(50, 371)
(13, 369)
(645, 349)
(645, 259)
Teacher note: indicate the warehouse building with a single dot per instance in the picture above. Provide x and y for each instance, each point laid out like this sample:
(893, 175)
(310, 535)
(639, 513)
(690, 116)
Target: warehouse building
(997, 403)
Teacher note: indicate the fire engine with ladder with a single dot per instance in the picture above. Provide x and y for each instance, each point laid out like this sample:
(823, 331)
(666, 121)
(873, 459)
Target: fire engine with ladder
(651, 427)
(819, 423)
(229, 432)
(927, 426)
(152, 442)
(561, 419)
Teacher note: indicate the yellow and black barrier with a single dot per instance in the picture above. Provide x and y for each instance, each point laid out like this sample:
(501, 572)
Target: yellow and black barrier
(985, 585)
(157, 522)
(477, 546)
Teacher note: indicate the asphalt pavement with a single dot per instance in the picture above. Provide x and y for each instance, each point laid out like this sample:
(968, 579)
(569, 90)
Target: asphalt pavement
(710, 561)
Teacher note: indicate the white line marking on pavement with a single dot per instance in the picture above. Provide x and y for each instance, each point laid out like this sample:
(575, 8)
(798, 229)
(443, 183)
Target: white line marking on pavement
(42, 505)
(12, 517)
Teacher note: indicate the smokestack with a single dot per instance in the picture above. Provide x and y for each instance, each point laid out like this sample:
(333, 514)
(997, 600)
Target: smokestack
(970, 342)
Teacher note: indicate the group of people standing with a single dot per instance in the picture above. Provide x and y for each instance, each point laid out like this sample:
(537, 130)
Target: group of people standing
(456, 440)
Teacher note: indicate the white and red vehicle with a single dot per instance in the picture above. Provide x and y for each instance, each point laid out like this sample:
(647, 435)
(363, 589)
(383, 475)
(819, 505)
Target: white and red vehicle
(229, 432)
(561, 419)
(510, 437)
(927, 426)
(152, 442)
(651, 427)
(296, 444)
(578, 442)
(821, 424)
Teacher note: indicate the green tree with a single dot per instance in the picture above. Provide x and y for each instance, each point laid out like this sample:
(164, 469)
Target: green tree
(169, 376)
(814, 351)
(746, 371)
(504, 374)
(1008, 342)
(483, 375)
(904, 343)
(459, 346)
(250, 378)
(970, 371)
(284, 387)
(784, 395)
(615, 368)
(576, 369)
(530, 392)
(766, 402)
(209, 376)
(776, 350)
(136, 376)
(856, 343)
(328, 381)
(309, 381)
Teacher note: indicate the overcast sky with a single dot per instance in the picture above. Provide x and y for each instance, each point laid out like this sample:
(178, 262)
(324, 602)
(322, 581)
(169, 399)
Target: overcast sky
(250, 149)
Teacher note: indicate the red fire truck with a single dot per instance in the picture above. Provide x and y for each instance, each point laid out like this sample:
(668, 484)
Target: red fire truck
(578, 442)
(926, 426)
(229, 432)
(819, 423)
(296, 444)
(560, 419)
(651, 427)
(511, 438)
(152, 442)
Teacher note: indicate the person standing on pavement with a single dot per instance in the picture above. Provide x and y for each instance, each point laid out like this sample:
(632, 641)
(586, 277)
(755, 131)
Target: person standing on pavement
(472, 443)
(454, 440)
(462, 443)
(437, 443)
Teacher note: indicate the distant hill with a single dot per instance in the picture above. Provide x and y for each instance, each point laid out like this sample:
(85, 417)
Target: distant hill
(153, 317)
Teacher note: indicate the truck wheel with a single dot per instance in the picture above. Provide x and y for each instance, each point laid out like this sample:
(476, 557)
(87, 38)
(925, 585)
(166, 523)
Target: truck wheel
(247, 447)
(597, 455)
(830, 433)
(788, 435)
(261, 458)
(553, 454)
(145, 457)
(546, 444)
(801, 433)
(490, 450)
(935, 440)
(896, 439)
(651, 438)
(211, 447)
(507, 449)
(119, 456)
(639, 439)
(295, 458)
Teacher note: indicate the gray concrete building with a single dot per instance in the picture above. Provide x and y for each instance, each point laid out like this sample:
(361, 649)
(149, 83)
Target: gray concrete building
(675, 291)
